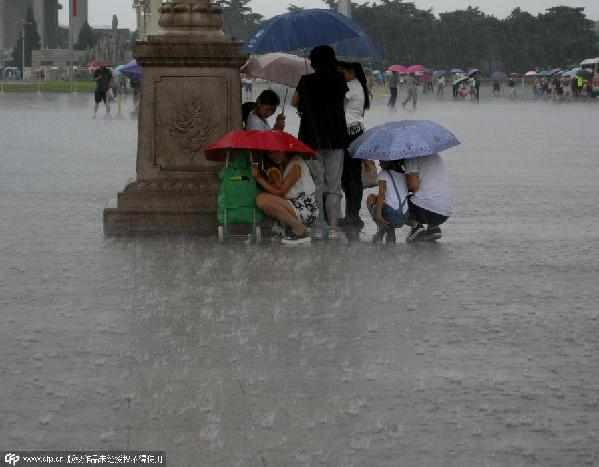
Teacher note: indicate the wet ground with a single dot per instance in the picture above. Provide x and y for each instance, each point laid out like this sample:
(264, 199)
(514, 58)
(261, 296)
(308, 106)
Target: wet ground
(481, 350)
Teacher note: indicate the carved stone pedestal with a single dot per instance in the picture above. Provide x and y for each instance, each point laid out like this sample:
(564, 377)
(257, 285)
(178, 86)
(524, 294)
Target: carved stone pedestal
(191, 95)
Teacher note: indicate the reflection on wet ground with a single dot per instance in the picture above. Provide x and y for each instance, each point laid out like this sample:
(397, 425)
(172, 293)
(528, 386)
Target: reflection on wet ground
(479, 350)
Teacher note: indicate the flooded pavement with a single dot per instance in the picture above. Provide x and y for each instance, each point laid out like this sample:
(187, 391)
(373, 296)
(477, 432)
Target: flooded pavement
(481, 350)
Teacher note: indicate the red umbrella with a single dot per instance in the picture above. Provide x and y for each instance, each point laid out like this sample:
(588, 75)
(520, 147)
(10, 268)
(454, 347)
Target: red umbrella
(272, 141)
(93, 66)
(398, 69)
(416, 69)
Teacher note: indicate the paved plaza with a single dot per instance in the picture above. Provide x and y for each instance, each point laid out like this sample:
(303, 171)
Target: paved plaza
(482, 350)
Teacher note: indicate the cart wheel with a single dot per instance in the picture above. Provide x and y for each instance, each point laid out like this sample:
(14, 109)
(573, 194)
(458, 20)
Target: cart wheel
(221, 234)
(258, 234)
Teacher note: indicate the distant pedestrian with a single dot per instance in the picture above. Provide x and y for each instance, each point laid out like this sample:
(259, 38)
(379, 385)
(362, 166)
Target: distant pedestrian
(496, 88)
(103, 77)
(441, 83)
(393, 89)
(320, 99)
(412, 89)
(512, 85)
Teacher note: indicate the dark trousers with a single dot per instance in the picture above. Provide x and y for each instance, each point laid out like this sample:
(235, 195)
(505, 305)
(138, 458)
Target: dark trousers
(424, 216)
(393, 98)
(351, 182)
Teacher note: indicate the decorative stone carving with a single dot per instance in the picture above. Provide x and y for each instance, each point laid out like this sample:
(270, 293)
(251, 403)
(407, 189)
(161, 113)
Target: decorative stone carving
(190, 96)
(192, 17)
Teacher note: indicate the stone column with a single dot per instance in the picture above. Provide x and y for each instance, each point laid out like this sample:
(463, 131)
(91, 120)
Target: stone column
(191, 95)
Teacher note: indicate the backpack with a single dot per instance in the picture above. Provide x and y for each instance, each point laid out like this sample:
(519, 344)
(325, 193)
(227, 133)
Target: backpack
(402, 203)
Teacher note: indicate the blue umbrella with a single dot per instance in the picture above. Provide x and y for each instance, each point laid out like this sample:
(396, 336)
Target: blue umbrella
(302, 30)
(131, 70)
(473, 72)
(359, 47)
(457, 71)
(406, 139)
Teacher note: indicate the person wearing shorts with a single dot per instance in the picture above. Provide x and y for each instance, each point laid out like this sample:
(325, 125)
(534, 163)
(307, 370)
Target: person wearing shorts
(103, 77)
(430, 202)
(291, 199)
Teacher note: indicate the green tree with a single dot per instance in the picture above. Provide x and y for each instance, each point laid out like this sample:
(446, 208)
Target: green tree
(240, 20)
(32, 41)
(568, 35)
(87, 38)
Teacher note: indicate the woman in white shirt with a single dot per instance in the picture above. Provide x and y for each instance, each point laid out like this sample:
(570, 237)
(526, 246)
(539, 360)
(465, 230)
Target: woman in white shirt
(357, 101)
(430, 204)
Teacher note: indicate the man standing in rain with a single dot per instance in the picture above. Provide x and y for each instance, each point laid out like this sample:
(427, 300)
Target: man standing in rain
(103, 77)
(412, 92)
(393, 89)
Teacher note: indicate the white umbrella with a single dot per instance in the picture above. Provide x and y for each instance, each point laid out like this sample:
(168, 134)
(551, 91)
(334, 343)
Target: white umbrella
(278, 67)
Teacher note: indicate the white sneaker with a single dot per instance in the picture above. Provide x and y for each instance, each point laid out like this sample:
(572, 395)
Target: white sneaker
(293, 239)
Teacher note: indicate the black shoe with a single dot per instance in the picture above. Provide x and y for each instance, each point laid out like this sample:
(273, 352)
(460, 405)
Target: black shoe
(378, 236)
(415, 233)
(432, 234)
(390, 235)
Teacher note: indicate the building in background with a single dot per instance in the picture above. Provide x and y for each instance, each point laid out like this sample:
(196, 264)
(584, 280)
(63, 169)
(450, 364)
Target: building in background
(78, 16)
(148, 15)
(113, 44)
(12, 14)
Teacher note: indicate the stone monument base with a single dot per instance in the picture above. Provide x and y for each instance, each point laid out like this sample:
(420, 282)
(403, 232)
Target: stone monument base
(176, 206)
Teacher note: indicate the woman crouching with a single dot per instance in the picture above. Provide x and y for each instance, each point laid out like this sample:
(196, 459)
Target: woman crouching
(389, 209)
(289, 196)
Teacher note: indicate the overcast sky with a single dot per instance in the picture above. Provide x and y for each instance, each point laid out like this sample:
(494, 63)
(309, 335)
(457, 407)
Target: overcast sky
(101, 11)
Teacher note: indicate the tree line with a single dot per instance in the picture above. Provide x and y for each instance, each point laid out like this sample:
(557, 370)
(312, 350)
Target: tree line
(560, 36)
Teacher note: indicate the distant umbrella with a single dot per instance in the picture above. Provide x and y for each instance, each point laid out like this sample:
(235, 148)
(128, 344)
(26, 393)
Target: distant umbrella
(473, 72)
(416, 69)
(398, 69)
(131, 70)
(531, 73)
(456, 71)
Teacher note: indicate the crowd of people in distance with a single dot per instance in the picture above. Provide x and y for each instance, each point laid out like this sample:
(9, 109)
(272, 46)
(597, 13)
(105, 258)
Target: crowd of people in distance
(304, 196)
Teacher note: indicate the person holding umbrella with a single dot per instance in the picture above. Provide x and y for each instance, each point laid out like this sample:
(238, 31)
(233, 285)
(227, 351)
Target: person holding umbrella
(266, 106)
(417, 144)
(320, 100)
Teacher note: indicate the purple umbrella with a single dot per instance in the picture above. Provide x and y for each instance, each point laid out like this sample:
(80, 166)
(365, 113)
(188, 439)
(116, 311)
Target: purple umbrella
(131, 70)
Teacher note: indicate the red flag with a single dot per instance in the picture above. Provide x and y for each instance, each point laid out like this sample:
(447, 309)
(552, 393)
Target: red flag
(74, 8)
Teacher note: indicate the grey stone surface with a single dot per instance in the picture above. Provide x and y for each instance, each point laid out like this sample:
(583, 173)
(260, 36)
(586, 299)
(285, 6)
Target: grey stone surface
(191, 94)
(479, 351)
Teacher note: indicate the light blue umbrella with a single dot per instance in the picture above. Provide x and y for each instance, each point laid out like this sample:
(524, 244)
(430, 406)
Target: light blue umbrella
(405, 139)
